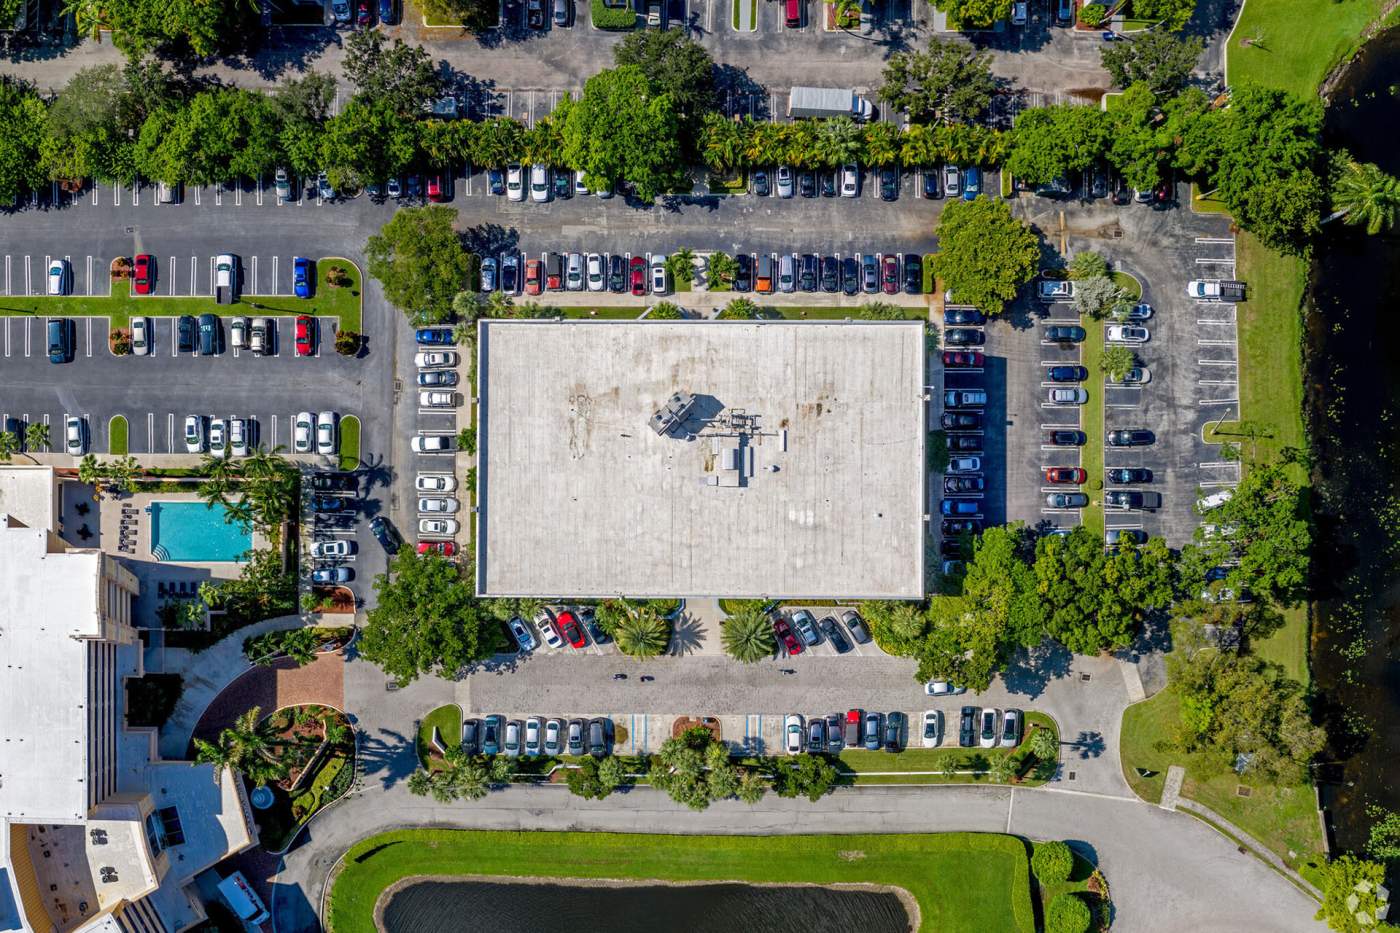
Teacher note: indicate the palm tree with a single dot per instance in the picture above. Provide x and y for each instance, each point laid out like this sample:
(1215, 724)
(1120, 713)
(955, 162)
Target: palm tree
(36, 436)
(266, 464)
(243, 747)
(841, 140)
(1002, 768)
(721, 142)
(9, 445)
(1365, 195)
(89, 15)
(497, 142)
(752, 786)
(681, 265)
(643, 634)
(881, 143)
(748, 636)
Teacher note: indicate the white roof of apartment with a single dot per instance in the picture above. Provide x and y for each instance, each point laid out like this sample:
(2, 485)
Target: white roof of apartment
(48, 601)
(29, 494)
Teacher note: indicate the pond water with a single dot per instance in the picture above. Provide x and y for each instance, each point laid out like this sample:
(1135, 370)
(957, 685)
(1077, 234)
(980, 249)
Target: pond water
(1353, 403)
(522, 907)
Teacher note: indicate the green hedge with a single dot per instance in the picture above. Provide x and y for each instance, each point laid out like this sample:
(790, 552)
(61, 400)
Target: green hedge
(1052, 862)
(606, 17)
(1068, 914)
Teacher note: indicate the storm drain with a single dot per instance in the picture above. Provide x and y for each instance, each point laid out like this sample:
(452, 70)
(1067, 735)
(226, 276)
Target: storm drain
(1070, 776)
(1242, 791)
(1084, 678)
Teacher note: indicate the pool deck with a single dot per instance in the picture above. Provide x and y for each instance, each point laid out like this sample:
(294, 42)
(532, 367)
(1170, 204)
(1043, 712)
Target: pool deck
(135, 550)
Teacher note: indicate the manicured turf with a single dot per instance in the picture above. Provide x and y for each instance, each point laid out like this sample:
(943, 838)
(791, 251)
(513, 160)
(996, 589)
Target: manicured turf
(350, 443)
(1288, 647)
(1091, 418)
(962, 881)
(1129, 284)
(1295, 42)
(835, 314)
(612, 313)
(914, 758)
(1203, 202)
(448, 719)
(116, 435)
(343, 303)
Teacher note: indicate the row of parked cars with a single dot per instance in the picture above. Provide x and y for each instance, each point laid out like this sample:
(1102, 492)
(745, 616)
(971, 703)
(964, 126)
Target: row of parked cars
(536, 736)
(330, 505)
(435, 489)
(845, 181)
(963, 421)
(870, 273)
(594, 272)
(800, 630)
(873, 731)
(222, 437)
(557, 629)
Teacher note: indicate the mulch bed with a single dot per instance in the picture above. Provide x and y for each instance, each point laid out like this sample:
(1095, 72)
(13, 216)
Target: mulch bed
(684, 724)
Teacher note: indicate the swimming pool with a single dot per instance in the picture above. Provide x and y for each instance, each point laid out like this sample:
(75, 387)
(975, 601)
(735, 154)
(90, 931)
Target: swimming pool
(195, 533)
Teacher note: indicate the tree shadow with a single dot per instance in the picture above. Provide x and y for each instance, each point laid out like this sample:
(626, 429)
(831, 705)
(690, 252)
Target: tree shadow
(687, 635)
(1030, 671)
(388, 757)
(1087, 745)
(488, 239)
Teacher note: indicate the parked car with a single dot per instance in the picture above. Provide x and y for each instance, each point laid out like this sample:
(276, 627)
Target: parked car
(1139, 312)
(515, 182)
(913, 274)
(850, 180)
(889, 184)
(785, 188)
(869, 274)
(968, 316)
(433, 359)
(761, 186)
(488, 273)
(850, 275)
(1066, 500)
(437, 526)
(554, 737)
(963, 443)
(1116, 536)
(385, 534)
(574, 743)
(786, 638)
(1131, 499)
(851, 735)
(856, 626)
(1064, 333)
(325, 433)
(964, 336)
(1019, 10)
(437, 505)
(960, 526)
(511, 746)
(59, 278)
(534, 730)
(873, 732)
(1071, 396)
(431, 443)
(1012, 726)
(960, 421)
(1067, 373)
(1131, 437)
(963, 359)
(1127, 333)
(972, 183)
(816, 735)
(524, 636)
(1055, 289)
(304, 332)
(964, 398)
(987, 735)
(952, 180)
(830, 274)
(471, 730)
(967, 727)
(539, 183)
(332, 550)
(1066, 438)
(958, 485)
(932, 733)
(1137, 376)
(570, 629)
(832, 631)
(659, 285)
(806, 627)
(510, 273)
(328, 575)
(302, 276)
(74, 435)
(943, 688)
(953, 507)
(140, 336)
(491, 729)
(1060, 475)
(964, 465)
(544, 623)
(894, 731)
(598, 737)
(1128, 475)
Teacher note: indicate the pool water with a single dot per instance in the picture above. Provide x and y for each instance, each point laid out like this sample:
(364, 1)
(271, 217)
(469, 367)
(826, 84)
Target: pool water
(192, 532)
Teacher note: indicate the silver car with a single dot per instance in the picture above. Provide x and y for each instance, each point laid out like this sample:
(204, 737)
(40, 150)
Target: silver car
(534, 727)
(512, 742)
(573, 275)
(554, 737)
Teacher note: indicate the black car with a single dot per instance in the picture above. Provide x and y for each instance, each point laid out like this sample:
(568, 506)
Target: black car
(534, 14)
(1129, 475)
(598, 737)
(334, 482)
(761, 186)
(831, 274)
(961, 421)
(510, 272)
(1126, 499)
(1064, 333)
(834, 744)
(437, 378)
(495, 178)
(327, 504)
(1131, 437)
(471, 736)
(807, 185)
(590, 622)
(889, 184)
(894, 731)
(210, 335)
(563, 180)
(1067, 374)
(967, 727)
(1098, 182)
(850, 275)
(963, 443)
(833, 633)
(913, 274)
(933, 186)
(617, 273)
(807, 278)
(955, 484)
(1122, 194)
(385, 533)
(961, 526)
(966, 337)
(816, 735)
(828, 184)
(187, 328)
(951, 547)
(963, 316)
(1066, 438)
(743, 272)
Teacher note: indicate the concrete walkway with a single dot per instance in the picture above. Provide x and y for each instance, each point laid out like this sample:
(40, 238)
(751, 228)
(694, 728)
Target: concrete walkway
(1171, 787)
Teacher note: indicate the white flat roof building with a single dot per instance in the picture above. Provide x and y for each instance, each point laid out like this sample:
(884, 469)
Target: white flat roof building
(701, 458)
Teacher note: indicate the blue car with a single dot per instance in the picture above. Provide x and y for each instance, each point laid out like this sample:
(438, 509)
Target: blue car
(301, 276)
(491, 730)
(388, 15)
(972, 183)
(960, 507)
(433, 336)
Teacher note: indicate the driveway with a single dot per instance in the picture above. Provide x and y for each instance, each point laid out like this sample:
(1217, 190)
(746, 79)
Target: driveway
(273, 687)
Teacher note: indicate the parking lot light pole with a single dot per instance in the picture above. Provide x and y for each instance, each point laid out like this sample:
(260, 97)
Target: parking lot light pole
(1221, 420)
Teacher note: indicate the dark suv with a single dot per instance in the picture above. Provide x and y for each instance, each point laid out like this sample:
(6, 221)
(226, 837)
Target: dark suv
(967, 727)
(743, 272)
(1131, 437)
(831, 274)
(807, 278)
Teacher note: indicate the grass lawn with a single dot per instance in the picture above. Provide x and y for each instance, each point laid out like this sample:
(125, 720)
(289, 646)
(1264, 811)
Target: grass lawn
(1288, 647)
(448, 720)
(612, 313)
(737, 183)
(1203, 203)
(1283, 818)
(349, 443)
(962, 881)
(343, 303)
(1129, 284)
(606, 17)
(930, 280)
(1091, 417)
(853, 762)
(834, 314)
(1295, 42)
(116, 435)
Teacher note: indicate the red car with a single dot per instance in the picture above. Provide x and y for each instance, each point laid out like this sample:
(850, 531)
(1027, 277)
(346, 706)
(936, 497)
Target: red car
(445, 548)
(305, 325)
(532, 276)
(143, 274)
(889, 276)
(1065, 475)
(362, 15)
(639, 276)
(435, 188)
(959, 359)
(784, 633)
(570, 628)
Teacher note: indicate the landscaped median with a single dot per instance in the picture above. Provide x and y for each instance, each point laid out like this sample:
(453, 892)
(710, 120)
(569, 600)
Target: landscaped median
(610, 17)
(117, 429)
(350, 443)
(959, 881)
(1091, 457)
(915, 765)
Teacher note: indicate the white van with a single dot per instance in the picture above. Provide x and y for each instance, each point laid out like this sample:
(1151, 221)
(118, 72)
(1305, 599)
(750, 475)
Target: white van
(244, 901)
(1216, 499)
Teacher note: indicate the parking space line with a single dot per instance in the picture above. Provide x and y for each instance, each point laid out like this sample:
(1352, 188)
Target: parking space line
(27, 292)
(136, 194)
(196, 197)
(7, 273)
(96, 190)
(194, 272)
(260, 191)
(170, 433)
(1215, 239)
(218, 195)
(89, 335)
(254, 289)
(238, 196)
(174, 345)
(1218, 401)
(150, 431)
(274, 275)
(87, 285)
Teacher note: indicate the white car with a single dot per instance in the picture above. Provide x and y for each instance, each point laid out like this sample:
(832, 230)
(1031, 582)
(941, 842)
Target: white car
(597, 281)
(326, 550)
(435, 482)
(325, 433)
(658, 275)
(58, 277)
(431, 399)
(74, 437)
(1056, 290)
(283, 184)
(1074, 396)
(140, 336)
(194, 434)
(257, 336)
(434, 359)
(544, 621)
(987, 727)
(534, 726)
(784, 181)
(440, 504)
(431, 443)
(792, 734)
(238, 333)
(302, 429)
(942, 688)
(965, 465)
(515, 182)
(218, 437)
(238, 437)
(439, 527)
(850, 180)
(1127, 333)
(579, 187)
(554, 737)
(539, 183)
(1018, 12)
(933, 728)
